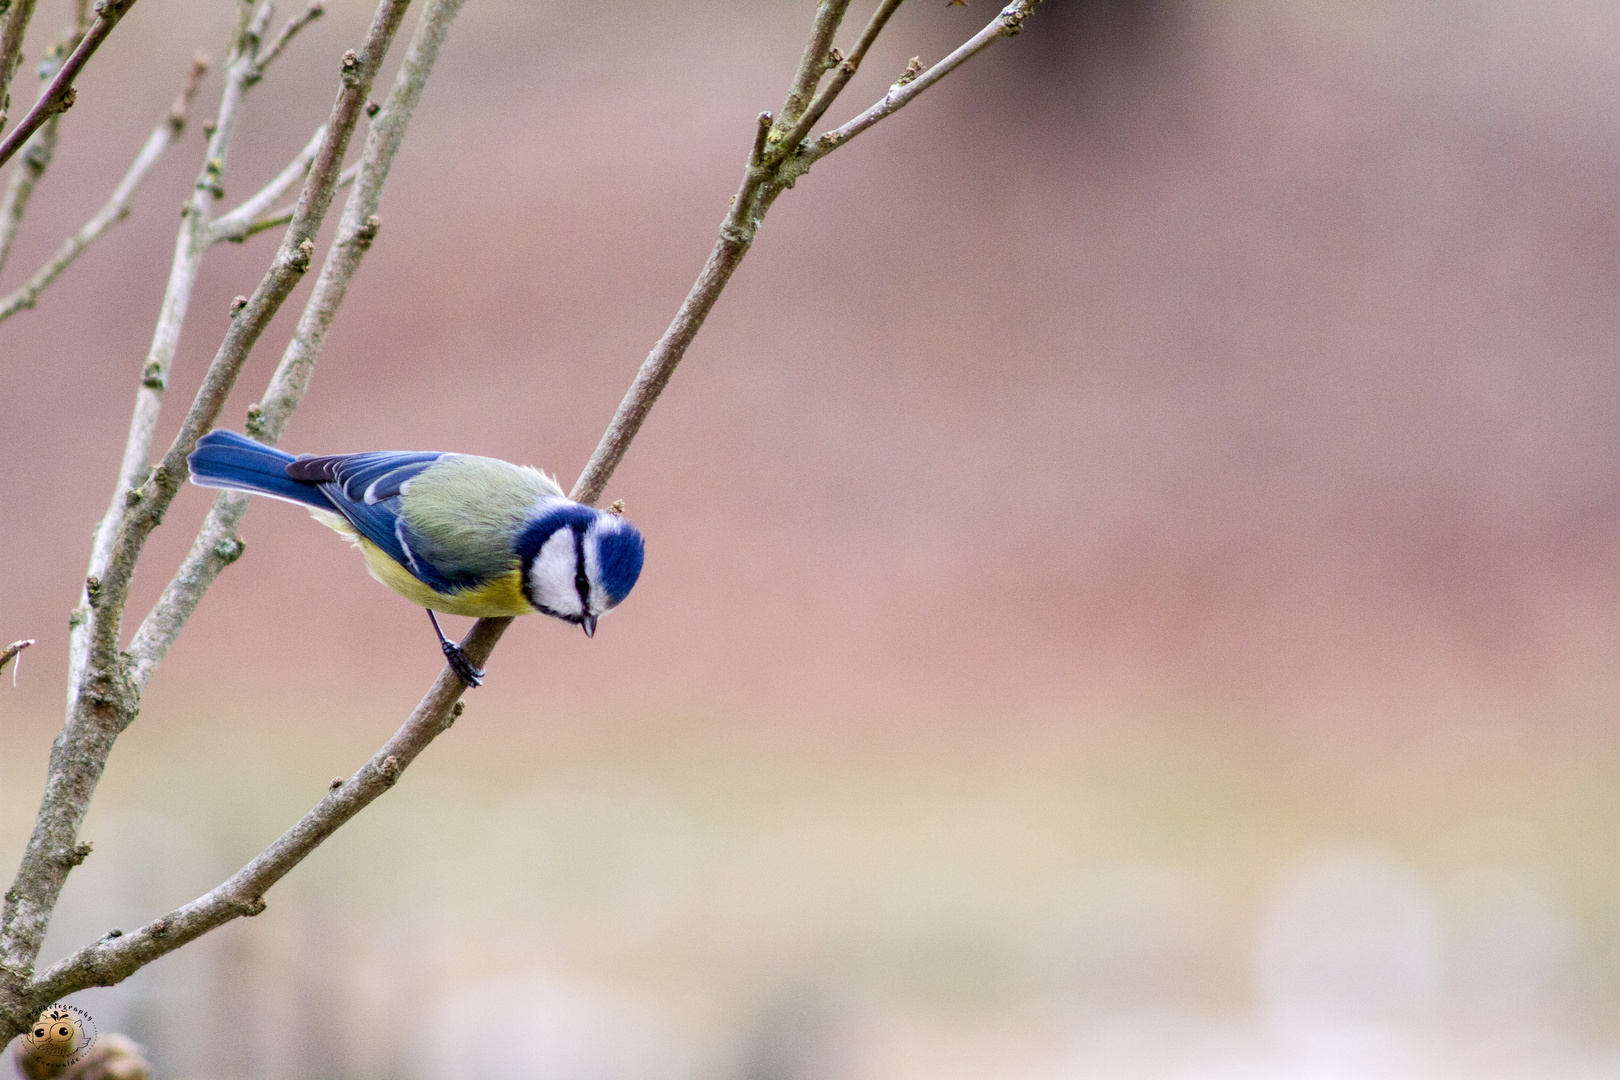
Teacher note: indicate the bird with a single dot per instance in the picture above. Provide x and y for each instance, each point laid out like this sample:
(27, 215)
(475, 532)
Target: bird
(453, 533)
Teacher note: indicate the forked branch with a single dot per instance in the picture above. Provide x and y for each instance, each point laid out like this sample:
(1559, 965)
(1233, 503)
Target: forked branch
(104, 700)
(217, 545)
(117, 208)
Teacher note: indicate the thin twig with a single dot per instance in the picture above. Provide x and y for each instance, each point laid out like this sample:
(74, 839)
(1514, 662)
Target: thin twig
(763, 181)
(314, 11)
(59, 95)
(25, 174)
(217, 545)
(11, 39)
(277, 218)
(814, 63)
(36, 156)
(190, 244)
(107, 699)
(235, 225)
(117, 207)
(1007, 23)
(292, 261)
(846, 69)
(10, 651)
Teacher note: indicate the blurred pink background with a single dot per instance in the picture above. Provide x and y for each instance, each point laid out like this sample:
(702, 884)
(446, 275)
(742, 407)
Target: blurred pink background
(1131, 582)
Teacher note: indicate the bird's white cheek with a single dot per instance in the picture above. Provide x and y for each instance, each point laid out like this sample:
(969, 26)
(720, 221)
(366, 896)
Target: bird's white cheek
(551, 577)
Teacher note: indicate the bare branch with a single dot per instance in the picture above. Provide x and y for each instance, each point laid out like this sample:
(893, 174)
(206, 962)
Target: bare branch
(190, 244)
(816, 60)
(235, 225)
(59, 95)
(1009, 22)
(314, 11)
(763, 180)
(29, 170)
(292, 261)
(10, 651)
(117, 207)
(11, 39)
(736, 236)
(285, 214)
(36, 157)
(106, 700)
(217, 545)
(846, 69)
(113, 959)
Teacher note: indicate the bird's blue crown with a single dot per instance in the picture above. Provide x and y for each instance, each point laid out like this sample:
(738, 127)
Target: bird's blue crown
(619, 552)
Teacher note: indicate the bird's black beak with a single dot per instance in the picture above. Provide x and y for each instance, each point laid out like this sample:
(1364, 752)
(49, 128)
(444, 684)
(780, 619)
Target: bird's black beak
(589, 623)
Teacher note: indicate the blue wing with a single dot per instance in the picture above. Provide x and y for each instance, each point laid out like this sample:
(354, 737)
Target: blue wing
(366, 490)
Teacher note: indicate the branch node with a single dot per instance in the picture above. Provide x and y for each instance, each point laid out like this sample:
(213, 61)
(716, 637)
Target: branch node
(372, 108)
(337, 782)
(390, 769)
(253, 905)
(65, 100)
(237, 304)
(255, 421)
(113, 933)
(914, 68)
(7, 655)
(350, 72)
(230, 550)
(760, 135)
(92, 589)
(152, 375)
(617, 509)
(456, 710)
(160, 926)
(80, 852)
(367, 232)
(133, 497)
(1012, 18)
(298, 262)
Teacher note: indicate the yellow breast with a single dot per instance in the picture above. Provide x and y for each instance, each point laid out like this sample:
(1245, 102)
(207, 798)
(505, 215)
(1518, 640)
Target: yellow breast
(500, 596)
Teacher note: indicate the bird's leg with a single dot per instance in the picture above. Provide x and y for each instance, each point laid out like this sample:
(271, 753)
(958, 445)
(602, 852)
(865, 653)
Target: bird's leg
(453, 654)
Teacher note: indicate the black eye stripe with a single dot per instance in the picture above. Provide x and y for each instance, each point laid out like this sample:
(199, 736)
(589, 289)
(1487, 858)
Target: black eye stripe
(582, 580)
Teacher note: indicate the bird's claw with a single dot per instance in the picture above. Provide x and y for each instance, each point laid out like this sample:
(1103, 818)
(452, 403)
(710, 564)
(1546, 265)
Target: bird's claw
(463, 667)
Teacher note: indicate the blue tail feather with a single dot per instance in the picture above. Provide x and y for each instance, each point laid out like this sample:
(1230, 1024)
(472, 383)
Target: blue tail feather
(224, 459)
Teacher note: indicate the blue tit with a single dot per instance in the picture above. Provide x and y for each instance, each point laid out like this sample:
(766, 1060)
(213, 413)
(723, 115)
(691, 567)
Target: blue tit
(452, 532)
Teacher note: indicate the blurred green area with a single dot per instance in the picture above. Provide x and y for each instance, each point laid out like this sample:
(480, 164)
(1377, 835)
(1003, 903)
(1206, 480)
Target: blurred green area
(715, 893)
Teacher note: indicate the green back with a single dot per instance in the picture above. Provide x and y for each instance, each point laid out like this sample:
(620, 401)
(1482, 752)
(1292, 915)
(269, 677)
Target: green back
(468, 510)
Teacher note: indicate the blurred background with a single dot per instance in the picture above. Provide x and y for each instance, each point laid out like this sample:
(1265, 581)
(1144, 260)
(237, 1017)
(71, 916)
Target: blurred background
(1132, 582)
